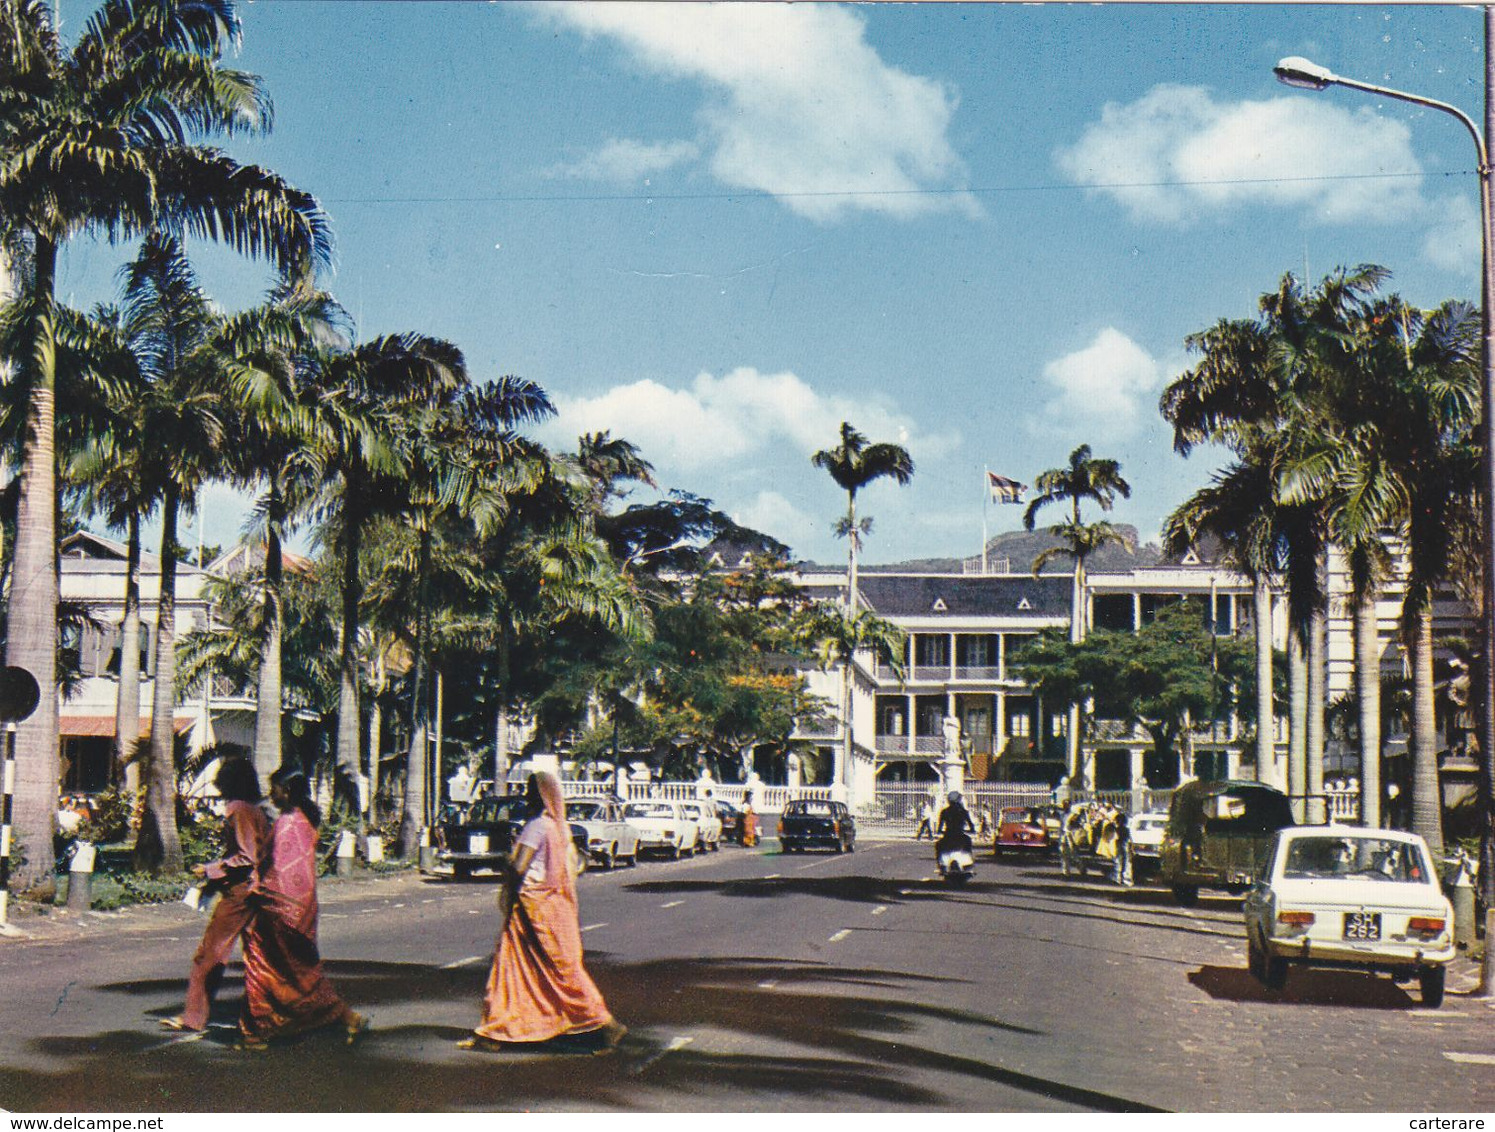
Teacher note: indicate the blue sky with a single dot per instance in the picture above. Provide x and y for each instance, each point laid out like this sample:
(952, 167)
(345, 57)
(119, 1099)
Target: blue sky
(982, 230)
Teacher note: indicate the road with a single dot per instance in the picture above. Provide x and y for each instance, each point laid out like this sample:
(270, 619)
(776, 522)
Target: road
(759, 981)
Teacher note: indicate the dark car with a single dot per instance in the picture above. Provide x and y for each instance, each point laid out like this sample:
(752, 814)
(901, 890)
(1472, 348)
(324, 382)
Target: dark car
(814, 821)
(483, 836)
(1218, 835)
(1021, 829)
(731, 821)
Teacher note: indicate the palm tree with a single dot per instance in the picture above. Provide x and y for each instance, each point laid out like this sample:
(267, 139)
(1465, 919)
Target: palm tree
(1084, 478)
(96, 139)
(854, 464)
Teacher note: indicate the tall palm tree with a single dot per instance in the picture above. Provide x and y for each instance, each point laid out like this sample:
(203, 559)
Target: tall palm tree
(361, 398)
(97, 138)
(853, 464)
(1084, 479)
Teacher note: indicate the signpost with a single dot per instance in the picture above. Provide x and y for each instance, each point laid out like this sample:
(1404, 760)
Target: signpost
(19, 694)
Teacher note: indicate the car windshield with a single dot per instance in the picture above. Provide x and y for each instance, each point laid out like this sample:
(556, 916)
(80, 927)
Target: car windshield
(1365, 858)
(650, 810)
(814, 809)
(1149, 824)
(1019, 815)
(585, 811)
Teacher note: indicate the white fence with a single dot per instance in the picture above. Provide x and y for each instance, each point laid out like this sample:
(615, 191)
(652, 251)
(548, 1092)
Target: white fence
(772, 797)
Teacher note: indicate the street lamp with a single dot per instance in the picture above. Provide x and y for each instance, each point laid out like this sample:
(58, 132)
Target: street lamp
(1305, 75)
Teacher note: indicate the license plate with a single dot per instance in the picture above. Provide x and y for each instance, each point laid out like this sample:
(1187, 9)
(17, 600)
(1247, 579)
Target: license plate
(477, 843)
(1362, 925)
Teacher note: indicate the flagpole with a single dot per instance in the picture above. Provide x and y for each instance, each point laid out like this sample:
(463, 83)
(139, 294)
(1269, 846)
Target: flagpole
(985, 495)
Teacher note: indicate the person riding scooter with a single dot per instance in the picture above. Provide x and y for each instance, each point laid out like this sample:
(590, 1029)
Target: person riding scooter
(955, 827)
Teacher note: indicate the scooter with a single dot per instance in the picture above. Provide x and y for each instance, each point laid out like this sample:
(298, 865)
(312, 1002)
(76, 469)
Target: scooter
(956, 859)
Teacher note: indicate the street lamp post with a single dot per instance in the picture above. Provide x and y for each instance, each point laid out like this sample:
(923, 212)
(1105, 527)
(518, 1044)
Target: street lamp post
(1301, 73)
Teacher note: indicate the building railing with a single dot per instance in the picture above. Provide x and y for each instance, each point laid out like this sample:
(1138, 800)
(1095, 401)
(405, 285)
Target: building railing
(977, 672)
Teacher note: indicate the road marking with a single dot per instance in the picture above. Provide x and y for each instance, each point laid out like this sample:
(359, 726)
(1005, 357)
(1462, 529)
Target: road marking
(673, 904)
(397, 905)
(676, 1043)
(1471, 1058)
(334, 915)
(840, 935)
(773, 876)
(429, 900)
(474, 911)
(1434, 1014)
(879, 910)
(768, 984)
(468, 962)
(593, 927)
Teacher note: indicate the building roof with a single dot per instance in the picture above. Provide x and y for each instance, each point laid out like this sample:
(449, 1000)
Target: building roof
(950, 595)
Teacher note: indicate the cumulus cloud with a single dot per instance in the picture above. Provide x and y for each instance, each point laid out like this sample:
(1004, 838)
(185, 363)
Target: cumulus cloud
(1109, 384)
(737, 416)
(798, 104)
(1452, 239)
(1177, 152)
(774, 515)
(622, 160)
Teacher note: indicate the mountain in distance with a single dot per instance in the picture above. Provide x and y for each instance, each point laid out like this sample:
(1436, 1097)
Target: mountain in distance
(1019, 548)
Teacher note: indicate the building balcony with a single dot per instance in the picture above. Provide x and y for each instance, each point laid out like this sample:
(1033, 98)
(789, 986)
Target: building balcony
(989, 673)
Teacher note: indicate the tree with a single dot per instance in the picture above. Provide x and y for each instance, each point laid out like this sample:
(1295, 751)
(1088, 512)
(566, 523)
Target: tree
(1084, 478)
(853, 464)
(95, 139)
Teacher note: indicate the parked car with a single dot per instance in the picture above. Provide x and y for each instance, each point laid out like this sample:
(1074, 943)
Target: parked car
(610, 838)
(704, 814)
(815, 821)
(483, 836)
(1021, 829)
(1147, 841)
(1350, 896)
(664, 827)
(1218, 834)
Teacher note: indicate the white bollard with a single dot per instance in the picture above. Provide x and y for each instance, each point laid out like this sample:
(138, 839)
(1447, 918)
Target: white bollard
(347, 849)
(80, 877)
(373, 849)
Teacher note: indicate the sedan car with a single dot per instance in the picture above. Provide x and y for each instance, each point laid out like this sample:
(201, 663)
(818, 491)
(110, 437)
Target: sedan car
(814, 821)
(1146, 830)
(1349, 896)
(710, 824)
(483, 836)
(1020, 829)
(663, 827)
(610, 838)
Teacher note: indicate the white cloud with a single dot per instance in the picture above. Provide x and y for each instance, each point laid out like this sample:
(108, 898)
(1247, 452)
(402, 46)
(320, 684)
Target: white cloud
(1452, 239)
(1177, 153)
(1109, 384)
(798, 103)
(737, 416)
(622, 160)
(775, 516)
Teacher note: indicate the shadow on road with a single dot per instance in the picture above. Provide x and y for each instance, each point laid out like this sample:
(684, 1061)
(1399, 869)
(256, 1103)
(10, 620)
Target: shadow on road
(851, 1037)
(857, 889)
(1313, 988)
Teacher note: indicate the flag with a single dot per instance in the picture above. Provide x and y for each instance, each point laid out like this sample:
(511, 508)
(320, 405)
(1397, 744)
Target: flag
(1004, 490)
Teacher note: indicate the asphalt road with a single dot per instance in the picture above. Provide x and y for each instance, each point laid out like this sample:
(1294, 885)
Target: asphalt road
(759, 981)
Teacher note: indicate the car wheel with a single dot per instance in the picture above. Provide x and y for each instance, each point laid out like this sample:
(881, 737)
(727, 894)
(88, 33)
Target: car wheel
(461, 871)
(1430, 981)
(1186, 894)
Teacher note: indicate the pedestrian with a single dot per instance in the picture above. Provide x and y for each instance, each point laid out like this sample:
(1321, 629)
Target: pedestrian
(926, 821)
(538, 988)
(749, 826)
(1123, 850)
(285, 988)
(236, 875)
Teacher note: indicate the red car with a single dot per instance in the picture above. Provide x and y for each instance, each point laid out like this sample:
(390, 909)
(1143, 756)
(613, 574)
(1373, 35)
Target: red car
(1021, 829)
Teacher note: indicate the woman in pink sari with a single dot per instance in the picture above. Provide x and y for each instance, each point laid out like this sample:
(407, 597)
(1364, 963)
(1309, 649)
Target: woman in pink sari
(538, 988)
(285, 989)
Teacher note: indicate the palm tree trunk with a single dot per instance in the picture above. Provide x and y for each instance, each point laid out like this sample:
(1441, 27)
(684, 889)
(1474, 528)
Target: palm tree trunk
(851, 557)
(1427, 803)
(1368, 689)
(127, 705)
(31, 638)
(438, 776)
(1297, 734)
(1267, 769)
(157, 848)
(414, 817)
(1318, 699)
(349, 720)
(376, 735)
(1076, 635)
(268, 702)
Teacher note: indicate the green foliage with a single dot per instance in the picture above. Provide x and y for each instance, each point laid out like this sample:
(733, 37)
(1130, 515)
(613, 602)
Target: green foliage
(114, 810)
(201, 834)
(117, 890)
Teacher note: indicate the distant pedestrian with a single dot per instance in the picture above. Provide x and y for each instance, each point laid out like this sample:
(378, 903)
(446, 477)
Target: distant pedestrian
(749, 826)
(538, 988)
(285, 988)
(246, 853)
(926, 822)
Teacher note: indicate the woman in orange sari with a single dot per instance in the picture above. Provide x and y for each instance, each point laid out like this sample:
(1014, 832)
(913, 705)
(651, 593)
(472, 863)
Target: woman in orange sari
(285, 989)
(538, 988)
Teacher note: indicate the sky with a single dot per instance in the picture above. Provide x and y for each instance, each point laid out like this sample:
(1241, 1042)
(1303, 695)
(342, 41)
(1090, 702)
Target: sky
(982, 231)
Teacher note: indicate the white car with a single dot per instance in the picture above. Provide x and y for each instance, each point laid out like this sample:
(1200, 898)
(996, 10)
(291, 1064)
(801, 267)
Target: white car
(663, 826)
(1349, 896)
(1146, 832)
(706, 818)
(610, 838)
